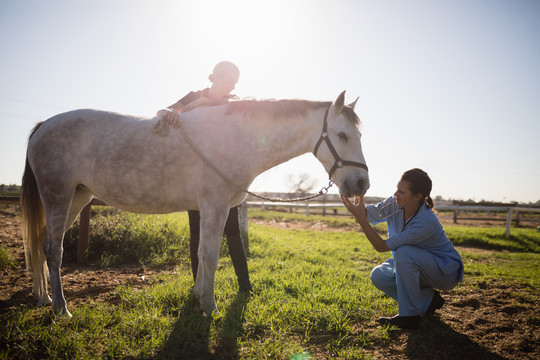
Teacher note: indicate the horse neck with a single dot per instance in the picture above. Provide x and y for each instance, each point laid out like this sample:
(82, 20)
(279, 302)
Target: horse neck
(277, 140)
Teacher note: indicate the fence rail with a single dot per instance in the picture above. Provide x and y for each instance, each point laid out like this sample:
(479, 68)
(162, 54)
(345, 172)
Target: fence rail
(455, 209)
(335, 207)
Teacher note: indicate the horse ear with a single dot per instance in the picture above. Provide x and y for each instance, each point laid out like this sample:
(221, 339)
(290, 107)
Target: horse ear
(353, 104)
(339, 103)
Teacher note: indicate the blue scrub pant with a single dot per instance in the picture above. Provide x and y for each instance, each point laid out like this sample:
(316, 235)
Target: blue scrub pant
(410, 277)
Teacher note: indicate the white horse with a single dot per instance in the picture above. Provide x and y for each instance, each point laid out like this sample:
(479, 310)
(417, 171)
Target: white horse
(77, 155)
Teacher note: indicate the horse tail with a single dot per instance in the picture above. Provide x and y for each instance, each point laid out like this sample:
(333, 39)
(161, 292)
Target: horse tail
(33, 226)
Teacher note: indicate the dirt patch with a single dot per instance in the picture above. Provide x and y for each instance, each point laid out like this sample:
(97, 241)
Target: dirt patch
(302, 225)
(492, 321)
(81, 283)
(489, 320)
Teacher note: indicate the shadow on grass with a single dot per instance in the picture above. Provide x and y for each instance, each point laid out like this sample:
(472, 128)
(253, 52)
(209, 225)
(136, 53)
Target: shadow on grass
(496, 240)
(195, 336)
(526, 242)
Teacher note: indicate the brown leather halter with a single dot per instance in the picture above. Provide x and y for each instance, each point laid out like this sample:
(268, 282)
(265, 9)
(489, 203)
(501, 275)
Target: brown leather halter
(339, 163)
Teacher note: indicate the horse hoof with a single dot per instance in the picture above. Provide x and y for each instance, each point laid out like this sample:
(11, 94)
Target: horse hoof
(211, 313)
(44, 301)
(209, 309)
(63, 312)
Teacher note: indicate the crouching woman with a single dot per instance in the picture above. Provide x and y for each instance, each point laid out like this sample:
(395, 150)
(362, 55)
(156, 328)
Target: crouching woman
(423, 259)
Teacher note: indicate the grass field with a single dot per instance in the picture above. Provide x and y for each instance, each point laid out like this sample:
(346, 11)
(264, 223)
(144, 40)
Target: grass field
(313, 295)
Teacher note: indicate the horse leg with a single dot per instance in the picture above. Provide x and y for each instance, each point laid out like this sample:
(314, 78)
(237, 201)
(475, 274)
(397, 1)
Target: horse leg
(81, 198)
(53, 251)
(212, 223)
(56, 214)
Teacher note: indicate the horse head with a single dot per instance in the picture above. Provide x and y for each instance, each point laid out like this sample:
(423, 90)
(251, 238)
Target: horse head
(339, 148)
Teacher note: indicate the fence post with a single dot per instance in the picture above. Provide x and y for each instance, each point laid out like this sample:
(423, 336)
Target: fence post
(508, 222)
(243, 222)
(84, 225)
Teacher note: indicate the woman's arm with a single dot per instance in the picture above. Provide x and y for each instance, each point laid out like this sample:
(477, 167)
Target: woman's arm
(358, 209)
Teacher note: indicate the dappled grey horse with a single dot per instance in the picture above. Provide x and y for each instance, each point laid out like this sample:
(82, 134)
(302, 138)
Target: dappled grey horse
(218, 151)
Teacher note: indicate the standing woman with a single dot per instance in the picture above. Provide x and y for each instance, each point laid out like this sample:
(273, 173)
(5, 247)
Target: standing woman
(223, 79)
(423, 257)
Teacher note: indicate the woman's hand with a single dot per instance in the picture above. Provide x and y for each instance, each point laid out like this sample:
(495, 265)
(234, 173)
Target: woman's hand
(170, 115)
(358, 209)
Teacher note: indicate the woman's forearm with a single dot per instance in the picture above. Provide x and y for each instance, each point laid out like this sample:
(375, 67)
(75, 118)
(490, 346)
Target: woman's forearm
(378, 243)
(358, 209)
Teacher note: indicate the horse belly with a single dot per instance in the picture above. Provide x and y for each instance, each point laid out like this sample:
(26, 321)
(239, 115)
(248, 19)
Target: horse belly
(145, 186)
(152, 201)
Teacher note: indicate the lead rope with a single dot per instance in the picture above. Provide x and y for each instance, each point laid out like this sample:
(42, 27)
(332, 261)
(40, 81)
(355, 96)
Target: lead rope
(162, 129)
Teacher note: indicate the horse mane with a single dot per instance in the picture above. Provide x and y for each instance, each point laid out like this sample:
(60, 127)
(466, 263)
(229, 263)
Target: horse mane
(272, 108)
(283, 108)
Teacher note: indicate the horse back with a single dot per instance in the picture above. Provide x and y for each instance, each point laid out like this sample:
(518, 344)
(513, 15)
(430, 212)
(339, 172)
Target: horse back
(77, 135)
(116, 157)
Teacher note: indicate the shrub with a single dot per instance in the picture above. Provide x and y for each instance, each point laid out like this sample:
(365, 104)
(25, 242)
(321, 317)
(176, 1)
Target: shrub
(127, 238)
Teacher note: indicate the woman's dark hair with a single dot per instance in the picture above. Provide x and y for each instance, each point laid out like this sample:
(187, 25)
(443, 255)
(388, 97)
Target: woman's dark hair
(420, 183)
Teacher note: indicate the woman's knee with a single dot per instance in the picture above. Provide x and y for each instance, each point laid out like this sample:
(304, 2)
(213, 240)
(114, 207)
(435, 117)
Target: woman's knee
(404, 251)
(381, 274)
(404, 256)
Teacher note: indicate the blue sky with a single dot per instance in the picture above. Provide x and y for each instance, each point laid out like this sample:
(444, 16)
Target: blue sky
(452, 87)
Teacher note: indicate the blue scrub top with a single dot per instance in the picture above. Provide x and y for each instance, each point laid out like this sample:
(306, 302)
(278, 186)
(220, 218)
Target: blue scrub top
(424, 230)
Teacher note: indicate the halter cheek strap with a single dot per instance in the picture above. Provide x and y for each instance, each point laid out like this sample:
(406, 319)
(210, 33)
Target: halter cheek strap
(338, 163)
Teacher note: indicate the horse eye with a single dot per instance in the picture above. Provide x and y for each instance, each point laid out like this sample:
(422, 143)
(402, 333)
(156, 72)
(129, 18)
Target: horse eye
(343, 136)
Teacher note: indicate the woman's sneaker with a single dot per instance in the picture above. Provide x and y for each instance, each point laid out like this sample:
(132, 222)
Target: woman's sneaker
(402, 322)
(437, 302)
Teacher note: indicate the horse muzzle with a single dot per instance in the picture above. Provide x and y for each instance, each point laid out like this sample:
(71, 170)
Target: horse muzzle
(354, 187)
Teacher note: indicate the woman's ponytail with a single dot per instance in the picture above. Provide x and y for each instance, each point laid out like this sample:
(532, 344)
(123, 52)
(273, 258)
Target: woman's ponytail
(429, 202)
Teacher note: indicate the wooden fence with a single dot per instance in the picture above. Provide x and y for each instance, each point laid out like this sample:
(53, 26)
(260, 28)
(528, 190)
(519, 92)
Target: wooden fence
(337, 208)
(333, 208)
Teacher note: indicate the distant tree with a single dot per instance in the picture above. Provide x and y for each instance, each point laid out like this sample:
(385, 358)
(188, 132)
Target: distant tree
(301, 184)
(9, 189)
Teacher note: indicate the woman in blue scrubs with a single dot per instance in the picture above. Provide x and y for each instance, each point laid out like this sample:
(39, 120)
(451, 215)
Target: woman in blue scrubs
(423, 259)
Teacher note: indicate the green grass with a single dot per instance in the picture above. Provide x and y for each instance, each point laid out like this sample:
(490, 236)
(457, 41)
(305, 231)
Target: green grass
(313, 295)
(333, 221)
(5, 259)
(120, 238)
(521, 240)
